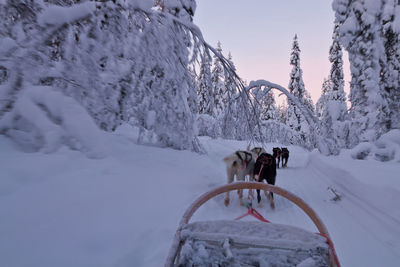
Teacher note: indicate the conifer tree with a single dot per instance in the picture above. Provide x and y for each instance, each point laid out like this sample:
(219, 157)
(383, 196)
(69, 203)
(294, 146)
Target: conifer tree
(205, 93)
(360, 32)
(295, 119)
(231, 89)
(268, 107)
(336, 76)
(322, 102)
(391, 66)
(218, 86)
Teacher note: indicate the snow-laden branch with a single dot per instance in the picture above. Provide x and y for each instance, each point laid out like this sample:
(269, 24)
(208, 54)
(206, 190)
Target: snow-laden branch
(325, 146)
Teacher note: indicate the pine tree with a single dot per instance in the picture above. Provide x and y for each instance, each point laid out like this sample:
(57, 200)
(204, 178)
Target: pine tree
(391, 66)
(231, 89)
(282, 112)
(218, 86)
(360, 34)
(322, 102)
(205, 92)
(337, 77)
(295, 118)
(331, 107)
(267, 106)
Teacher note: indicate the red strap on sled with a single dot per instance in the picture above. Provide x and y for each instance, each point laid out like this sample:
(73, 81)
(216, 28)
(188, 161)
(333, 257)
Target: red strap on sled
(255, 214)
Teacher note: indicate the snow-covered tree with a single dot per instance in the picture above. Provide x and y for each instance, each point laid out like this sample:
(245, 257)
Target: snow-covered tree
(320, 107)
(391, 66)
(282, 112)
(295, 118)
(205, 93)
(360, 32)
(218, 86)
(265, 101)
(336, 77)
(231, 89)
(331, 107)
(183, 9)
(120, 60)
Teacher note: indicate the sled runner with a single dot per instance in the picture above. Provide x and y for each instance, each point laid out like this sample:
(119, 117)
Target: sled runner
(250, 243)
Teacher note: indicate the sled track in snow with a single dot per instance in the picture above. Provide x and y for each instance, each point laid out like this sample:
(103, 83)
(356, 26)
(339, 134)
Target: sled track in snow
(379, 217)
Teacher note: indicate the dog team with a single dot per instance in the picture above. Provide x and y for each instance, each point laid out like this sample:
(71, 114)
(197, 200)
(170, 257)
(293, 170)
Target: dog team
(258, 165)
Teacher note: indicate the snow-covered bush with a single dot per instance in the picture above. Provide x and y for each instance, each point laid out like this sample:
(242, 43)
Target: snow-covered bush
(44, 119)
(208, 126)
(386, 148)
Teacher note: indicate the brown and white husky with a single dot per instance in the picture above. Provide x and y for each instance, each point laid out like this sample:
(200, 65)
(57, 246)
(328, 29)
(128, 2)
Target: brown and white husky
(240, 164)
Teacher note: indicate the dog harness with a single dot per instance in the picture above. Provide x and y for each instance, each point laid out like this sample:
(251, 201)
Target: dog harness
(247, 158)
(277, 152)
(265, 159)
(285, 151)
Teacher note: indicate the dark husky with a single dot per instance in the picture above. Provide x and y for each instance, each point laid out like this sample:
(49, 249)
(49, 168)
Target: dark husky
(265, 169)
(277, 152)
(285, 156)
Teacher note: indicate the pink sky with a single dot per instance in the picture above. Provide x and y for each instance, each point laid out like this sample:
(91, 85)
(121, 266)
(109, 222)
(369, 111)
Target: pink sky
(259, 34)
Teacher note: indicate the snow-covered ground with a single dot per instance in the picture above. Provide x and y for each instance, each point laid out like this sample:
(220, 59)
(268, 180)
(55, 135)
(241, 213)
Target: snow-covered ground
(64, 209)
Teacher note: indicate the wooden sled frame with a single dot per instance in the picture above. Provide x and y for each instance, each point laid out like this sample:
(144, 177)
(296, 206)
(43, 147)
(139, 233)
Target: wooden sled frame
(177, 242)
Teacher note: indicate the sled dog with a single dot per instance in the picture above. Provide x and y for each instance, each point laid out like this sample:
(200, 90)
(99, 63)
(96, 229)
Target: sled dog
(265, 169)
(240, 164)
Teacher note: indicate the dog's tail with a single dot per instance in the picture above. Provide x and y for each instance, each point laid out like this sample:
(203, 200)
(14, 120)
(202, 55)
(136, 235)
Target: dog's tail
(231, 160)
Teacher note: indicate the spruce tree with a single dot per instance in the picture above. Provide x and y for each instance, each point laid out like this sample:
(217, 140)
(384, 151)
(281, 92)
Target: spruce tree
(295, 118)
(205, 93)
(231, 89)
(360, 32)
(218, 86)
(390, 78)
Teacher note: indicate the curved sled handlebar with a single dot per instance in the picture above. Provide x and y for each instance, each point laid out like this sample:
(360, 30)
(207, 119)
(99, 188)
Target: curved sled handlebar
(235, 186)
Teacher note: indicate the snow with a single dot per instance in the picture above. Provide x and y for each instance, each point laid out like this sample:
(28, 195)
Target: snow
(6, 44)
(142, 4)
(396, 22)
(65, 209)
(386, 148)
(57, 15)
(247, 243)
(43, 119)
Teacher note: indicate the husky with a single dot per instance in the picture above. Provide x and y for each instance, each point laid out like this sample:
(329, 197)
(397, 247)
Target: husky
(240, 164)
(256, 151)
(277, 153)
(285, 156)
(265, 169)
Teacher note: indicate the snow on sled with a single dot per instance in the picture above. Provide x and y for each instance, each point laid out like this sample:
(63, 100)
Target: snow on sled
(250, 243)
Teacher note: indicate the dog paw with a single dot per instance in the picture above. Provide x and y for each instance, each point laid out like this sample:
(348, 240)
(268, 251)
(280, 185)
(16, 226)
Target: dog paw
(272, 204)
(226, 202)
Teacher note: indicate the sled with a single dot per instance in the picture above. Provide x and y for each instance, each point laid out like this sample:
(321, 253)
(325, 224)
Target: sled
(250, 243)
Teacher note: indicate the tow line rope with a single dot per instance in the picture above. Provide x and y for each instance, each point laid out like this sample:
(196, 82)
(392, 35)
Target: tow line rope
(253, 212)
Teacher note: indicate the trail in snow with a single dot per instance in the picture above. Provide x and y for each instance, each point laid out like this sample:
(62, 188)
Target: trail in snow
(64, 209)
(359, 223)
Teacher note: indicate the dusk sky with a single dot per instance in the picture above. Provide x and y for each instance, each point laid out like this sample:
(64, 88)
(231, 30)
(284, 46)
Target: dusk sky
(259, 34)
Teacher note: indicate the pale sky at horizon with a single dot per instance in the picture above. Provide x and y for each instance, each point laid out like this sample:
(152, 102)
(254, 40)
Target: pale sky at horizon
(259, 34)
